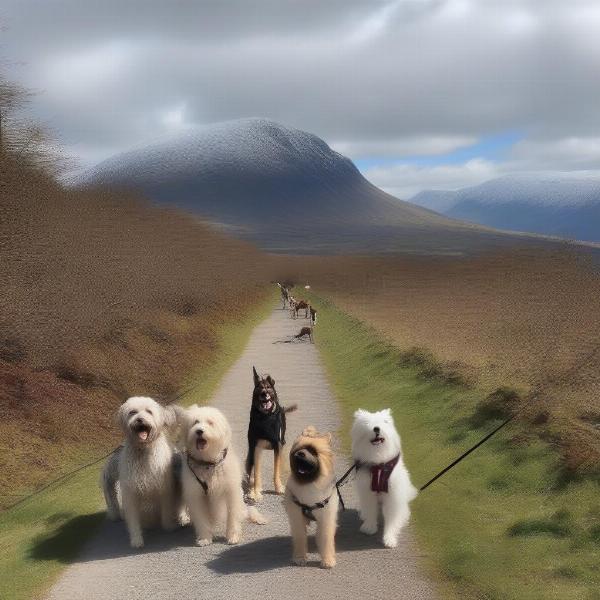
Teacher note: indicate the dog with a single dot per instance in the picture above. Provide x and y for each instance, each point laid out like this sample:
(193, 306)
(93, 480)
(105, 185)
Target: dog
(143, 470)
(285, 294)
(301, 305)
(310, 495)
(381, 477)
(212, 477)
(310, 329)
(266, 431)
(292, 306)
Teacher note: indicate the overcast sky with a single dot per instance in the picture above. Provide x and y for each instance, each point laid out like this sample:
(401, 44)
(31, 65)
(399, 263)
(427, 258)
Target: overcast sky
(420, 93)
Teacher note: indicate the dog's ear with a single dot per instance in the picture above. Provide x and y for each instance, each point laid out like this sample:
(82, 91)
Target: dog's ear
(271, 380)
(120, 416)
(387, 412)
(173, 415)
(360, 413)
(256, 377)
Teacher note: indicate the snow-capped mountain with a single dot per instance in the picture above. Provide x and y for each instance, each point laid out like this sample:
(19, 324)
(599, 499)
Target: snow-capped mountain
(282, 188)
(558, 204)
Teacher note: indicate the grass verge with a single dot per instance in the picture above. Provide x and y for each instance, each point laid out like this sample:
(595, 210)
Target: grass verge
(41, 536)
(505, 523)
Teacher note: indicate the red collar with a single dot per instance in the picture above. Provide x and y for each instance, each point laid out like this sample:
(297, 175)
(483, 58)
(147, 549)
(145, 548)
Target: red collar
(380, 475)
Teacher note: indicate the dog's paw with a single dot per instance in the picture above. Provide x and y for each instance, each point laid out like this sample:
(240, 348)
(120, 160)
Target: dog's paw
(234, 538)
(328, 563)
(203, 542)
(390, 540)
(137, 542)
(184, 519)
(368, 528)
(299, 561)
(255, 496)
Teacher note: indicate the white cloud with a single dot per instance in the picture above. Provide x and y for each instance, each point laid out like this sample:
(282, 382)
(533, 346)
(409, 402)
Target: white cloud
(406, 180)
(410, 146)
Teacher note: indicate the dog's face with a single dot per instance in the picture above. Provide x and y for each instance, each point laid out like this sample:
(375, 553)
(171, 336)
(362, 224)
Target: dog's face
(264, 396)
(207, 432)
(374, 436)
(143, 419)
(311, 457)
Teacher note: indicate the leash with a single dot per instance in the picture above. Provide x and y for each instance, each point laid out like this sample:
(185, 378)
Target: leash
(465, 454)
(342, 480)
(204, 463)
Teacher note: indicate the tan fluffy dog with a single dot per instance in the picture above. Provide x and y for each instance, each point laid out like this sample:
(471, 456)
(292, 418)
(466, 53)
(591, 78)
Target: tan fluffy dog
(212, 476)
(310, 495)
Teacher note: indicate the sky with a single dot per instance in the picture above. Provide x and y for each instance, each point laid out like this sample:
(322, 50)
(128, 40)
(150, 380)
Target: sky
(421, 94)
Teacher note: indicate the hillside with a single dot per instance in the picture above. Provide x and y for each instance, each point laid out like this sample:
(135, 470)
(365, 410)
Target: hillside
(284, 189)
(557, 204)
(103, 297)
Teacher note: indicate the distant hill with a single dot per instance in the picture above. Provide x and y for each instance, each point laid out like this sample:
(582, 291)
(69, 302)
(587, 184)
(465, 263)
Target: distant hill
(284, 189)
(558, 204)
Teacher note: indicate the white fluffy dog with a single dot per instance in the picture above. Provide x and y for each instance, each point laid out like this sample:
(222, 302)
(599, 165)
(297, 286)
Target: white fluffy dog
(381, 477)
(212, 476)
(143, 469)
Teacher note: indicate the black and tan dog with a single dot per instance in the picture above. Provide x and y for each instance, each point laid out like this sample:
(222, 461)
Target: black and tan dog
(266, 431)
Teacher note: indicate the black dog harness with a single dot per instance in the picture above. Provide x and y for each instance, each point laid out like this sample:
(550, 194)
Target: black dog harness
(307, 510)
(204, 463)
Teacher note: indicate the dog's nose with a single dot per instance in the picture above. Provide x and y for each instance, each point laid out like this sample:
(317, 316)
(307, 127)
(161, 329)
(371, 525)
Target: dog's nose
(301, 454)
(138, 421)
(199, 432)
(376, 429)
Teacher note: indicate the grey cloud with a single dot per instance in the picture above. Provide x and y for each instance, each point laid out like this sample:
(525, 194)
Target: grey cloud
(371, 77)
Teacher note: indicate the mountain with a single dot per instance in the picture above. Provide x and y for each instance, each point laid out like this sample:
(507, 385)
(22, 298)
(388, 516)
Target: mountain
(282, 188)
(559, 204)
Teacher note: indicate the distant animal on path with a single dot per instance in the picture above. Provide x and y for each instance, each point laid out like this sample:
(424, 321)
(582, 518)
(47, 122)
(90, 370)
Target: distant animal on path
(266, 431)
(212, 477)
(382, 480)
(285, 294)
(302, 305)
(143, 470)
(310, 495)
(308, 331)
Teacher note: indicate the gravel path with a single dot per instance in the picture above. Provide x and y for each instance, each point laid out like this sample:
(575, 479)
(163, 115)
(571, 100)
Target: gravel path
(170, 566)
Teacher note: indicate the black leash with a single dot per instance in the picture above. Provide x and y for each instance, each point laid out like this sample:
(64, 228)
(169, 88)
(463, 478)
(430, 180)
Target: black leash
(465, 454)
(342, 480)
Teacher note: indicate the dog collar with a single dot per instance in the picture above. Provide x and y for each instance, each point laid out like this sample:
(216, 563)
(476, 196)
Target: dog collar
(307, 510)
(204, 463)
(380, 473)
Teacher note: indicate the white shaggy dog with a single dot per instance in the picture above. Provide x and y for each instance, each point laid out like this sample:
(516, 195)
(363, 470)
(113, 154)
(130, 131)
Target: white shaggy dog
(381, 477)
(142, 470)
(212, 476)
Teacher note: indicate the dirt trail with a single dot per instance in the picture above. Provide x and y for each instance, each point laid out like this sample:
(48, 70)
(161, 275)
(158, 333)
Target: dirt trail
(170, 566)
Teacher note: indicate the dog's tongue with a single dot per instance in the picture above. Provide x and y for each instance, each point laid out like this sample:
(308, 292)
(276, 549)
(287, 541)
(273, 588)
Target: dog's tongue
(143, 435)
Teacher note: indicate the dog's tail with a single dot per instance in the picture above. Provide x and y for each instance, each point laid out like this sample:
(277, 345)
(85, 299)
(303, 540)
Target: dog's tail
(254, 516)
(289, 409)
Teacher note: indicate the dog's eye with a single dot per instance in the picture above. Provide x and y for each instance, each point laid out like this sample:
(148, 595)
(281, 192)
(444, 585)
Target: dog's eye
(149, 412)
(196, 422)
(210, 422)
(132, 412)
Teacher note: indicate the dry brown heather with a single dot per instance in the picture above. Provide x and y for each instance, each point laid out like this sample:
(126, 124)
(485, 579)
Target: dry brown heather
(524, 319)
(102, 297)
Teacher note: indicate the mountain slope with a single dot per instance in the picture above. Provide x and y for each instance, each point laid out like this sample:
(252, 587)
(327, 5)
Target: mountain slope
(282, 188)
(559, 204)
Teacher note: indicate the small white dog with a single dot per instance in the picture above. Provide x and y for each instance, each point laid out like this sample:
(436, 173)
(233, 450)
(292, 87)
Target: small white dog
(381, 477)
(212, 476)
(142, 470)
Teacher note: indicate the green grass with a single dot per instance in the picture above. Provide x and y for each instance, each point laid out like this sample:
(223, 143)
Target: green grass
(43, 535)
(503, 524)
